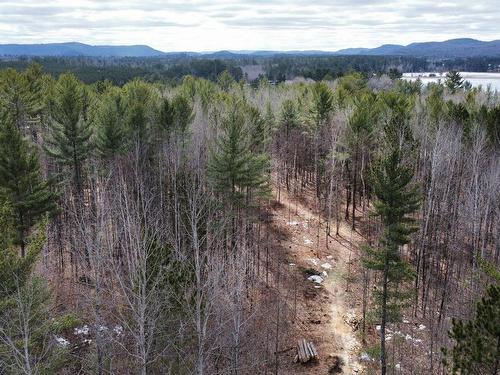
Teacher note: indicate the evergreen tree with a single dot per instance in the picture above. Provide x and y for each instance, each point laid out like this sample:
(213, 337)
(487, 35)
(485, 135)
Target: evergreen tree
(477, 341)
(21, 184)
(139, 100)
(259, 132)
(360, 138)
(321, 106)
(289, 118)
(24, 322)
(319, 112)
(225, 80)
(69, 141)
(183, 113)
(110, 129)
(270, 119)
(166, 116)
(454, 81)
(234, 169)
(396, 200)
(12, 94)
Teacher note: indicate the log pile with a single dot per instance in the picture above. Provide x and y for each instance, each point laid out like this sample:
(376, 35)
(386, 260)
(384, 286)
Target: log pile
(305, 351)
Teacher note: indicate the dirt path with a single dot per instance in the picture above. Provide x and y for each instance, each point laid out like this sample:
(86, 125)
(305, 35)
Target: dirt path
(324, 319)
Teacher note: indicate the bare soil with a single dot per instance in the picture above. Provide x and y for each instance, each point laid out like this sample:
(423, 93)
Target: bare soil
(327, 312)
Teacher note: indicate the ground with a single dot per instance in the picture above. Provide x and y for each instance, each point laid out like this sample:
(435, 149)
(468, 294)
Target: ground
(327, 311)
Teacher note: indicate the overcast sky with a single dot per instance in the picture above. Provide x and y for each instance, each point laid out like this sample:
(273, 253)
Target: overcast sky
(208, 25)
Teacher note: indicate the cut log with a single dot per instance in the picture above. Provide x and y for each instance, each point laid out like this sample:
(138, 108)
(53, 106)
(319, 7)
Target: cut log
(310, 352)
(300, 351)
(315, 352)
(304, 354)
(306, 351)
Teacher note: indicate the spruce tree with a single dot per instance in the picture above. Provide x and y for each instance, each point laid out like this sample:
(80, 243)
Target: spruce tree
(21, 184)
(396, 201)
(69, 140)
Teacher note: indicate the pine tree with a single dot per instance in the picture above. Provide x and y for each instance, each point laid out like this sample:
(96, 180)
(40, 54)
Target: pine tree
(454, 81)
(360, 136)
(21, 184)
(477, 341)
(24, 322)
(321, 106)
(234, 169)
(139, 101)
(396, 200)
(69, 141)
(21, 94)
(289, 118)
(15, 270)
(225, 80)
(319, 113)
(259, 133)
(183, 111)
(110, 129)
(167, 116)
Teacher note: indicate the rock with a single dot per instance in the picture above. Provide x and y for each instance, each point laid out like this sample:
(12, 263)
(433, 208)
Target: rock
(313, 261)
(62, 341)
(84, 330)
(365, 357)
(118, 330)
(315, 279)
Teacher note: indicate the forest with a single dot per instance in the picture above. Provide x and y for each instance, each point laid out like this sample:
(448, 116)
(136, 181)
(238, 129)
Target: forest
(275, 67)
(204, 225)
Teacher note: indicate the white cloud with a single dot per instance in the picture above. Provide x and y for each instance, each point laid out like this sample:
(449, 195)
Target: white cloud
(238, 24)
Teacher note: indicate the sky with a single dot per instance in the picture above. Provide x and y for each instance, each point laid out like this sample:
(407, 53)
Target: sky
(210, 25)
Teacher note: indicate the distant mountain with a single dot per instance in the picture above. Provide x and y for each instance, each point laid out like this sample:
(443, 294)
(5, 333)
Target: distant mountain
(464, 47)
(77, 49)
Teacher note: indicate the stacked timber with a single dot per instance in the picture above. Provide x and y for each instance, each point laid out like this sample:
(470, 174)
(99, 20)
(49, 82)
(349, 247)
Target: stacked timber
(305, 351)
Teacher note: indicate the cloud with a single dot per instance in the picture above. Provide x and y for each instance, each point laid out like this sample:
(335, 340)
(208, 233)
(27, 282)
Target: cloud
(246, 24)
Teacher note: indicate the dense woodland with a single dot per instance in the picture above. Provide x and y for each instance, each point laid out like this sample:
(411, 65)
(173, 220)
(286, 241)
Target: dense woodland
(275, 67)
(135, 220)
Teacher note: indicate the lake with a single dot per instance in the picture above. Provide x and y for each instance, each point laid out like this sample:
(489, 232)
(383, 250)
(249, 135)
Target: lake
(476, 79)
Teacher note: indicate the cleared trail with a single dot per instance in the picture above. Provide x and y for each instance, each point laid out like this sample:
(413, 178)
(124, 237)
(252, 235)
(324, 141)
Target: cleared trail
(324, 318)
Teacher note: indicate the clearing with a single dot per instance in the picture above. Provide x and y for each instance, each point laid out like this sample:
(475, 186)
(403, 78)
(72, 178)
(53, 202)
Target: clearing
(328, 307)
